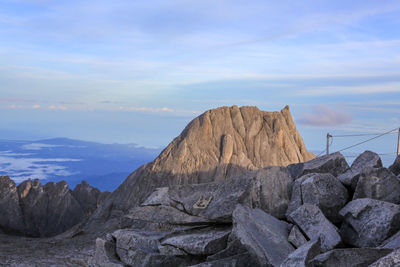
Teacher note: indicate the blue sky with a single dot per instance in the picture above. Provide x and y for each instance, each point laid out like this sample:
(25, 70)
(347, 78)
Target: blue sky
(138, 71)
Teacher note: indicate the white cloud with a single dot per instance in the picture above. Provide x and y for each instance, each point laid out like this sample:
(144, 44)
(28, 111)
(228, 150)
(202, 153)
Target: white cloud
(325, 116)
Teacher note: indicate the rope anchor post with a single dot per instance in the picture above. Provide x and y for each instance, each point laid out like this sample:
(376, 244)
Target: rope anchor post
(327, 143)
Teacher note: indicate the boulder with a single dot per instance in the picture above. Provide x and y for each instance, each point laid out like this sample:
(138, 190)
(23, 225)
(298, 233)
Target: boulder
(274, 202)
(368, 222)
(205, 241)
(390, 260)
(211, 201)
(323, 190)
(310, 219)
(334, 164)
(395, 167)
(136, 248)
(349, 257)
(392, 242)
(11, 217)
(296, 238)
(302, 256)
(262, 235)
(105, 255)
(364, 160)
(378, 183)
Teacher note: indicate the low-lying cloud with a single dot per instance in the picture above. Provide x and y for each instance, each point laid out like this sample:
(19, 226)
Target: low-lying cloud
(322, 115)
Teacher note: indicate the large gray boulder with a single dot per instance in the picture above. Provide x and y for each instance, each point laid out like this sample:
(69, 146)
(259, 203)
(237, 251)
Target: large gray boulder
(395, 167)
(378, 183)
(205, 241)
(11, 217)
(302, 256)
(368, 222)
(349, 257)
(264, 236)
(364, 160)
(310, 219)
(390, 260)
(211, 201)
(321, 189)
(272, 190)
(334, 164)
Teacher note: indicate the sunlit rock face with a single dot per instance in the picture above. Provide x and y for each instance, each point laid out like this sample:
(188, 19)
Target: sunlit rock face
(218, 145)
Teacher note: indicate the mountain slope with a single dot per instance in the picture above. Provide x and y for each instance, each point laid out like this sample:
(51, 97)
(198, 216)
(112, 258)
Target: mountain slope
(217, 145)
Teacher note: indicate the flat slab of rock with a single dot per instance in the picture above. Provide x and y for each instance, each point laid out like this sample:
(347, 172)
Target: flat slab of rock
(368, 222)
(212, 201)
(310, 219)
(334, 164)
(392, 259)
(321, 189)
(378, 183)
(364, 160)
(204, 241)
(262, 234)
(302, 256)
(296, 237)
(350, 257)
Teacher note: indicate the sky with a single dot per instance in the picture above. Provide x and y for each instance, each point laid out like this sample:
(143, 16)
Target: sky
(139, 71)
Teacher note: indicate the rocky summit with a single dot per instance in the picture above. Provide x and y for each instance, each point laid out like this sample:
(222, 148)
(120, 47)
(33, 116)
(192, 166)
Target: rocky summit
(35, 210)
(312, 212)
(219, 144)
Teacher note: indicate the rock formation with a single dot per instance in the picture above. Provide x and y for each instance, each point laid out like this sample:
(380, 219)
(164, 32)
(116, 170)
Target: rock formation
(35, 210)
(216, 146)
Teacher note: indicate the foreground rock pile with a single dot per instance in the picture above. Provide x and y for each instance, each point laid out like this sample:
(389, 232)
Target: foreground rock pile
(32, 209)
(318, 213)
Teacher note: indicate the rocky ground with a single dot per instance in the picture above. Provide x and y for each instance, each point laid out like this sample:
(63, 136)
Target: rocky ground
(318, 213)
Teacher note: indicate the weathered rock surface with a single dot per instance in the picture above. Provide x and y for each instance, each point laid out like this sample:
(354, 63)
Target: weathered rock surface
(219, 144)
(392, 242)
(321, 189)
(350, 257)
(296, 238)
(36, 210)
(11, 218)
(390, 260)
(378, 183)
(368, 222)
(276, 201)
(88, 197)
(395, 167)
(366, 159)
(262, 234)
(302, 256)
(334, 164)
(310, 219)
(204, 241)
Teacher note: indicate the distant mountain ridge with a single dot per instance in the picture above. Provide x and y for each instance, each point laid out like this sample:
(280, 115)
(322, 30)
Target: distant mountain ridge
(102, 165)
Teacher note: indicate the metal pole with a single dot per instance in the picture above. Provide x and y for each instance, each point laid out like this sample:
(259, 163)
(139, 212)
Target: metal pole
(327, 143)
(398, 143)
